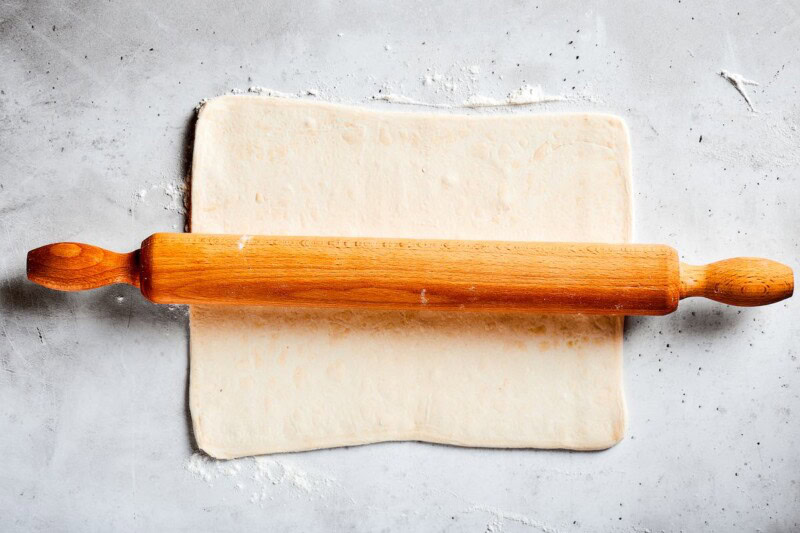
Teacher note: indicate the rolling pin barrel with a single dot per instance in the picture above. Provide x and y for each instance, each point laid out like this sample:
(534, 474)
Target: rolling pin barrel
(622, 279)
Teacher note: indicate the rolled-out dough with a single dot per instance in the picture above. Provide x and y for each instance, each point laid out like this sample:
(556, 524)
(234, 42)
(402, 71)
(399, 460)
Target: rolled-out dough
(271, 380)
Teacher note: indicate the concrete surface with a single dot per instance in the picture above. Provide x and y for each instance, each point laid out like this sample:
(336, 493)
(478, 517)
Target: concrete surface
(96, 105)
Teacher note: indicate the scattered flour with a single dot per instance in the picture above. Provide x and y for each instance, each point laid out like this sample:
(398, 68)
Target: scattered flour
(460, 85)
(478, 100)
(176, 196)
(527, 95)
(400, 99)
(447, 84)
(459, 89)
(739, 82)
(264, 91)
(257, 477)
(282, 473)
(203, 467)
(499, 517)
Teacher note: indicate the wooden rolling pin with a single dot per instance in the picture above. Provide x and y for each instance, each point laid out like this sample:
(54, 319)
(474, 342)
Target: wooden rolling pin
(542, 277)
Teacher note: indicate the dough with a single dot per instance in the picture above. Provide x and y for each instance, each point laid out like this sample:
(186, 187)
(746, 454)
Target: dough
(272, 380)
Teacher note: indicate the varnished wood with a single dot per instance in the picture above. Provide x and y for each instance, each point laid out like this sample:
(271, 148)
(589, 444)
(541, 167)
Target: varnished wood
(72, 266)
(742, 281)
(622, 279)
(410, 274)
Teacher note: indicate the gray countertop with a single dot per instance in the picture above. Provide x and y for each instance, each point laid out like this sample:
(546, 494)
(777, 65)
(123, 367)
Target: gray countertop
(97, 103)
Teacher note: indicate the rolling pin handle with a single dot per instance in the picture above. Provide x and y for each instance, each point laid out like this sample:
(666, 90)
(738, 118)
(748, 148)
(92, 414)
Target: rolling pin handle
(72, 266)
(742, 281)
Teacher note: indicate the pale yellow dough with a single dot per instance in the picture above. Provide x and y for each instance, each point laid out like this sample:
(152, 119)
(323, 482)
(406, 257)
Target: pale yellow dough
(272, 380)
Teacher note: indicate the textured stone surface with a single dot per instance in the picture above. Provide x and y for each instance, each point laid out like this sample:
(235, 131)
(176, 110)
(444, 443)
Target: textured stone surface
(96, 106)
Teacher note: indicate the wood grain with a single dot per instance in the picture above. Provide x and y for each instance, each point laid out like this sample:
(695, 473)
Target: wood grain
(618, 279)
(742, 281)
(411, 274)
(72, 266)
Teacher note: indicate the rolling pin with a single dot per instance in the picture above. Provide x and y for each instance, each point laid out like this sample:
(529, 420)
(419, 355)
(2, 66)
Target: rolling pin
(542, 277)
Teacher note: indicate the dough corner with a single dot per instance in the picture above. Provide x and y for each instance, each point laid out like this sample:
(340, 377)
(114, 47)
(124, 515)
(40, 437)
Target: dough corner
(206, 444)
